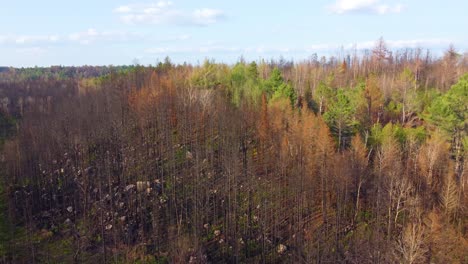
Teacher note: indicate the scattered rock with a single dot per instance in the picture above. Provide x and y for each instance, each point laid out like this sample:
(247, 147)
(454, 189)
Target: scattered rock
(142, 185)
(129, 187)
(281, 249)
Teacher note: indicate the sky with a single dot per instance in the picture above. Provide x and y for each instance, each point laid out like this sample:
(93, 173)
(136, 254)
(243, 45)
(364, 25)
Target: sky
(123, 32)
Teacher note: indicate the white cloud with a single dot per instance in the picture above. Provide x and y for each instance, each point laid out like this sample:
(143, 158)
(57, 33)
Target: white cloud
(392, 44)
(123, 9)
(206, 16)
(86, 37)
(32, 51)
(92, 35)
(174, 38)
(219, 49)
(164, 12)
(401, 44)
(226, 49)
(321, 47)
(416, 43)
(200, 49)
(29, 39)
(364, 6)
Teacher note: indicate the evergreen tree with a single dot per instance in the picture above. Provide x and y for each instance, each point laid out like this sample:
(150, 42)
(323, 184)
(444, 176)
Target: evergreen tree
(340, 118)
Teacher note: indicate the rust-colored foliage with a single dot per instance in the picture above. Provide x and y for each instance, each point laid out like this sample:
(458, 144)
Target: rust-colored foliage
(159, 164)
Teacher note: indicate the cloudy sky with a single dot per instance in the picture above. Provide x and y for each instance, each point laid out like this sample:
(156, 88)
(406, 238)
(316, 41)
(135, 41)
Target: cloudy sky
(103, 32)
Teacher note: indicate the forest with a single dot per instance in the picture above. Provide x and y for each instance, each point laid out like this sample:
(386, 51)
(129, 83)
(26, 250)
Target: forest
(354, 158)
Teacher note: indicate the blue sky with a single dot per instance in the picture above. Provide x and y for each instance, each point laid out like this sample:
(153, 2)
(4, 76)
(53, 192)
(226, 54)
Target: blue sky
(103, 32)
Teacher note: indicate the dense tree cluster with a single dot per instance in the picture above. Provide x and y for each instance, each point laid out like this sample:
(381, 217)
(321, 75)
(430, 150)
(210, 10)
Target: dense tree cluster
(360, 159)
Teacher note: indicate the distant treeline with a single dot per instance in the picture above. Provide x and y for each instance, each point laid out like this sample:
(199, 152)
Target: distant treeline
(10, 74)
